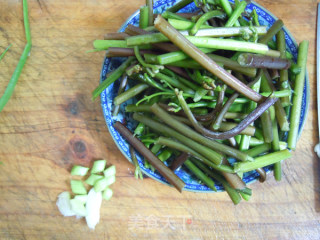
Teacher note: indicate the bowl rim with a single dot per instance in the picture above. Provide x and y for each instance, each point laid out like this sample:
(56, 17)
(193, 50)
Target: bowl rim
(307, 86)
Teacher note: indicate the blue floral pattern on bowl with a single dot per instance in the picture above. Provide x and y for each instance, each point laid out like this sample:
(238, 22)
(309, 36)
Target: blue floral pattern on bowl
(107, 96)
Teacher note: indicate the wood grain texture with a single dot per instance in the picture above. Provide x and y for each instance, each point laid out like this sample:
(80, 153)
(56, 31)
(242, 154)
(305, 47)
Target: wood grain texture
(51, 124)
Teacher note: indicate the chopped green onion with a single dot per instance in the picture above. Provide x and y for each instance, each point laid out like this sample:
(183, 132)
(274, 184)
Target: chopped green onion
(92, 179)
(78, 207)
(79, 170)
(98, 166)
(102, 184)
(77, 187)
(107, 194)
(110, 171)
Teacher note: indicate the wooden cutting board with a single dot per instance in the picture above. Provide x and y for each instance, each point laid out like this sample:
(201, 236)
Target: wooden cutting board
(51, 124)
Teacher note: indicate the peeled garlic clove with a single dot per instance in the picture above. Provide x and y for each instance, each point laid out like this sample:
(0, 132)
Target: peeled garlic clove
(93, 208)
(63, 204)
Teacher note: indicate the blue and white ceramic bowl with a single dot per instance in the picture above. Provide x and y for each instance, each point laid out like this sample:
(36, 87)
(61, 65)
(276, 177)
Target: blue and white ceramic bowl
(192, 184)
